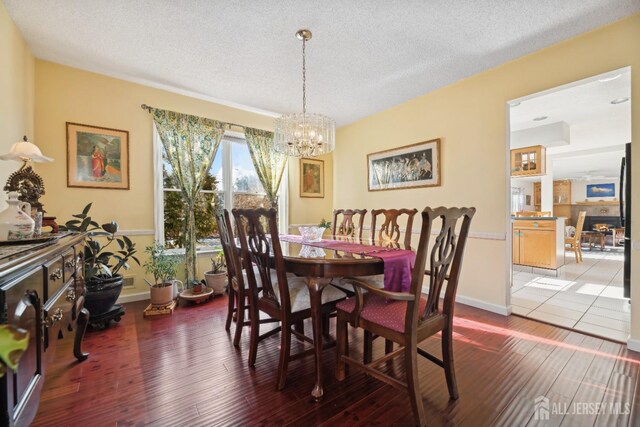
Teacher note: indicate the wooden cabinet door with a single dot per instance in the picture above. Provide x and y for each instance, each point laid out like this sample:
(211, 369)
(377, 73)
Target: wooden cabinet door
(537, 195)
(537, 248)
(515, 246)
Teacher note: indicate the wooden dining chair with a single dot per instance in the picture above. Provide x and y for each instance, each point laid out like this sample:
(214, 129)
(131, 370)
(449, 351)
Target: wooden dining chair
(408, 318)
(575, 242)
(285, 299)
(347, 227)
(238, 303)
(389, 229)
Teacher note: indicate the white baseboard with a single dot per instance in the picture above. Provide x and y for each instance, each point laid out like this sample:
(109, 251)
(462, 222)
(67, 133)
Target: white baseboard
(140, 296)
(483, 305)
(633, 344)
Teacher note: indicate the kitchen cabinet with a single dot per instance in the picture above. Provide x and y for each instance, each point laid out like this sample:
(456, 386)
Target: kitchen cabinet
(538, 243)
(528, 161)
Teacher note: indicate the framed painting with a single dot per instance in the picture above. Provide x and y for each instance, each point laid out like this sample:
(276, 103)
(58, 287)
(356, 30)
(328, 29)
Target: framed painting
(311, 178)
(412, 166)
(97, 157)
(601, 190)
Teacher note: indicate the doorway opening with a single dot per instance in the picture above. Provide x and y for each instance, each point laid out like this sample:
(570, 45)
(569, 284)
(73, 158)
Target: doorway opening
(567, 223)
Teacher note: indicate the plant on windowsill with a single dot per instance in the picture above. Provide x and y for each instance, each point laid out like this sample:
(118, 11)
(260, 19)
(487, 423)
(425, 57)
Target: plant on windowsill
(103, 261)
(163, 268)
(216, 278)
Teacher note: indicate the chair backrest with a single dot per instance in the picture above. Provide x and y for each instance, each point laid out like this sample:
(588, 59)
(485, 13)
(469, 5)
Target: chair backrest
(231, 256)
(347, 227)
(389, 230)
(444, 258)
(580, 224)
(258, 235)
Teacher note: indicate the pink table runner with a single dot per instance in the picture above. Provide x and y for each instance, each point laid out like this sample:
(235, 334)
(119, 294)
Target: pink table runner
(398, 263)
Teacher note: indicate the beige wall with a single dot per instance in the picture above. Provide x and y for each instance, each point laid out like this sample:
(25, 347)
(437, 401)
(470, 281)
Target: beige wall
(470, 118)
(16, 93)
(65, 94)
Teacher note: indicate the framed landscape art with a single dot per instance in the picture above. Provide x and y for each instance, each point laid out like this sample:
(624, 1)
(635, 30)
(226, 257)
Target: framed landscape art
(97, 157)
(412, 166)
(311, 178)
(601, 190)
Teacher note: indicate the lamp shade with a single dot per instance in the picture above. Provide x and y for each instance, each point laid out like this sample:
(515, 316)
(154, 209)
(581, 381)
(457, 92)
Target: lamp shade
(25, 151)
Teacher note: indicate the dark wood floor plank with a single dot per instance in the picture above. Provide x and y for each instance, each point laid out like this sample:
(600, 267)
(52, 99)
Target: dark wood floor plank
(183, 370)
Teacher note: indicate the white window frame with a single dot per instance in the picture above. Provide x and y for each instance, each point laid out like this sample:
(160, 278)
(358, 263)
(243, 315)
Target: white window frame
(227, 191)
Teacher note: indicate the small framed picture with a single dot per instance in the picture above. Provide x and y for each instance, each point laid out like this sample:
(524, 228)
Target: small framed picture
(311, 178)
(97, 157)
(411, 166)
(528, 199)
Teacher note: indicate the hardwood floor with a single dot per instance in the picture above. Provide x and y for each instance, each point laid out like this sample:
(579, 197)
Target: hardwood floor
(183, 370)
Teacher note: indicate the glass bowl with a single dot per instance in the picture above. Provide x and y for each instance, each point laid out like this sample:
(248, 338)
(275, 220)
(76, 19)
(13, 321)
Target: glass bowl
(311, 234)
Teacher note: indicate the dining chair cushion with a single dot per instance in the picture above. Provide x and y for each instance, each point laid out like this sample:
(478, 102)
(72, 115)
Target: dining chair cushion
(379, 310)
(256, 273)
(299, 294)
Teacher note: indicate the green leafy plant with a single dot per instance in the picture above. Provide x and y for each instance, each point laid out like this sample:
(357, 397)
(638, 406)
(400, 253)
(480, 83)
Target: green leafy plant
(13, 343)
(160, 265)
(99, 261)
(218, 264)
(324, 223)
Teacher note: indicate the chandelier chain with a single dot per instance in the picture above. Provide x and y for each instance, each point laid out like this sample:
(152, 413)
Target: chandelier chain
(304, 75)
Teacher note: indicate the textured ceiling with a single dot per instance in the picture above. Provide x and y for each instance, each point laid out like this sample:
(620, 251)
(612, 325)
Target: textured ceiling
(598, 129)
(365, 56)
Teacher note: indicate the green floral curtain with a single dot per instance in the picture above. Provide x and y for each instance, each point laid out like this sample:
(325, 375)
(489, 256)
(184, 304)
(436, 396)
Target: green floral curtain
(268, 163)
(190, 144)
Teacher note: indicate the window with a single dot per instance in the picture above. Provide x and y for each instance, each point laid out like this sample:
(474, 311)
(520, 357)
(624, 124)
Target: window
(517, 199)
(232, 182)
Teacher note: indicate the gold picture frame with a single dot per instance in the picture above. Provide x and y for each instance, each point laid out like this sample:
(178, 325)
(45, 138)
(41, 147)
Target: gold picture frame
(311, 178)
(412, 166)
(97, 157)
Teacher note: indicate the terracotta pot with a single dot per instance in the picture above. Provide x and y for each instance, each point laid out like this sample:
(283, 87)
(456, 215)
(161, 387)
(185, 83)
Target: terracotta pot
(216, 281)
(196, 288)
(162, 295)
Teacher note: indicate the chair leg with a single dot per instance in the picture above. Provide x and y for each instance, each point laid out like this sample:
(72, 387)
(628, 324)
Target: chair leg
(255, 334)
(342, 345)
(232, 305)
(368, 347)
(580, 251)
(285, 351)
(413, 383)
(447, 359)
(240, 310)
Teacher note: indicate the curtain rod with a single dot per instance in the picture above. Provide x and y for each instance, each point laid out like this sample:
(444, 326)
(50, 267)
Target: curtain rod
(149, 108)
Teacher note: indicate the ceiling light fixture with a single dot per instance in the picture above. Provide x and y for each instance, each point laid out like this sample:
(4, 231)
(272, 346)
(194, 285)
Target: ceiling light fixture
(304, 134)
(619, 100)
(540, 118)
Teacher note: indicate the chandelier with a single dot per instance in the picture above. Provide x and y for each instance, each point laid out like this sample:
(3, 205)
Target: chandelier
(304, 134)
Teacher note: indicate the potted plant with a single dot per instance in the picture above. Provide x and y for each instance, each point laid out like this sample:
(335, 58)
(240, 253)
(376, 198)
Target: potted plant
(325, 224)
(103, 261)
(163, 269)
(216, 278)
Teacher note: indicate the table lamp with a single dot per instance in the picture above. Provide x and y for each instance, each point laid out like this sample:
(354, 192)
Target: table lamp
(25, 181)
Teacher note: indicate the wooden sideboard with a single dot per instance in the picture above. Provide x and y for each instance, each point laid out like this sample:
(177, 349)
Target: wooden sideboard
(538, 242)
(42, 291)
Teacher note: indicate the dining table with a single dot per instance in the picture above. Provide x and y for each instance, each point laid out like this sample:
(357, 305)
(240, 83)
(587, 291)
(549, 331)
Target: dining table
(319, 264)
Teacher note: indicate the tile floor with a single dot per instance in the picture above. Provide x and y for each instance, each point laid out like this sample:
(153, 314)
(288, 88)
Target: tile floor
(586, 297)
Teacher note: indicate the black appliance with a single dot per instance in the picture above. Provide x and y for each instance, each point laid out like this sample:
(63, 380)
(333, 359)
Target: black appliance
(625, 216)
